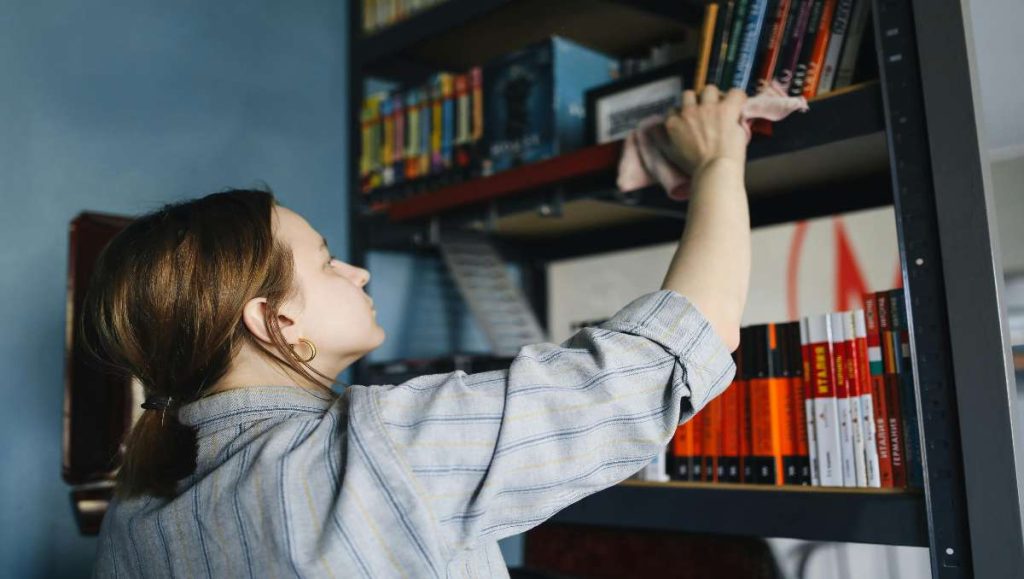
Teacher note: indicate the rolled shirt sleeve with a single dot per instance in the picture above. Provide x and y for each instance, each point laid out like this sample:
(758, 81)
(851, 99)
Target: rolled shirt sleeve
(494, 454)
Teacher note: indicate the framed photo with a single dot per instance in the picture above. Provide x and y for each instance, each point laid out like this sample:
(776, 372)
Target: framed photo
(614, 109)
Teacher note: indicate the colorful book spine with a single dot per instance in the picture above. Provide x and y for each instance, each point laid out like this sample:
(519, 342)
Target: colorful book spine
(809, 410)
(826, 411)
(840, 27)
(795, 463)
(905, 371)
(729, 446)
(398, 155)
(387, 145)
(773, 45)
(681, 464)
(707, 34)
(436, 124)
(720, 43)
(819, 49)
(894, 404)
(735, 38)
(447, 120)
(879, 400)
(425, 148)
(852, 369)
(793, 42)
(796, 86)
(711, 431)
(859, 20)
(867, 413)
(476, 77)
(749, 40)
(842, 381)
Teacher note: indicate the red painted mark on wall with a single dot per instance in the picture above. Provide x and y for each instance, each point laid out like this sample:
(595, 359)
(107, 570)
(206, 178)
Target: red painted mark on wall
(850, 286)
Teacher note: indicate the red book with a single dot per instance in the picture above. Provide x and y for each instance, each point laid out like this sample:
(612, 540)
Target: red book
(891, 380)
(821, 38)
(876, 376)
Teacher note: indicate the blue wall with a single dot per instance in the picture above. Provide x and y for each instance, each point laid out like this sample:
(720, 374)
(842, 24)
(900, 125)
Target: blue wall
(123, 106)
(120, 106)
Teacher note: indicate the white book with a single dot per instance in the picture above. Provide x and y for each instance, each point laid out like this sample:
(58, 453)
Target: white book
(826, 411)
(846, 446)
(850, 337)
(812, 449)
(867, 405)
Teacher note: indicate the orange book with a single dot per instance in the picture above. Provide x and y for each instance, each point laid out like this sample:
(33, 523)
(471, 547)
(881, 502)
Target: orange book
(821, 38)
(770, 413)
(711, 435)
(707, 33)
(682, 452)
(729, 443)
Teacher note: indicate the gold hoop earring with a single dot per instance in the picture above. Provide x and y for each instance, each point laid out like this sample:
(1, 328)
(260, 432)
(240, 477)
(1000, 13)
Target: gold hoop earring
(311, 347)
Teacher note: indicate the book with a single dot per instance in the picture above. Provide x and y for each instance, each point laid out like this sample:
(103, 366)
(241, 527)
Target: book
(729, 445)
(893, 402)
(747, 470)
(681, 452)
(797, 465)
(852, 370)
(826, 412)
(867, 414)
(711, 429)
(905, 372)
(793, 41)
(840, 361)
(770, 413)
(819, 48)
(840, 27)
(748, 44)
(772, 45)
(735, 39)
(879, 400)
(720, 45)
(796, 85)
(859, 20)
(812, 442)
(707, 37)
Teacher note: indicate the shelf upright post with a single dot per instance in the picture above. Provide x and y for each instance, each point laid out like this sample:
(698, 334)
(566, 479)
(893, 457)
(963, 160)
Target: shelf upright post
(953, 290)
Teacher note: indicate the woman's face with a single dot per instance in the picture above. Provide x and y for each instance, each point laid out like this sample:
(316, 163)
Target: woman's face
(332, 309)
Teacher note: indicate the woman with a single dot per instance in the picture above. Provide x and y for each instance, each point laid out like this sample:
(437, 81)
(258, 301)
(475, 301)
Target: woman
(235, 318)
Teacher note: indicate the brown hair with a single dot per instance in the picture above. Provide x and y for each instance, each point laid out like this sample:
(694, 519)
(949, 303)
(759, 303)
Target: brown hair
(164, 305)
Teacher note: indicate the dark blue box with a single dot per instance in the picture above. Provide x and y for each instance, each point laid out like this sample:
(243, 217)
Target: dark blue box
(534, 101)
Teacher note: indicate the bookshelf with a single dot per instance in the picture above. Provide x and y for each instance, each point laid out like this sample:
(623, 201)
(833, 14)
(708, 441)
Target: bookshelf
(909, 140)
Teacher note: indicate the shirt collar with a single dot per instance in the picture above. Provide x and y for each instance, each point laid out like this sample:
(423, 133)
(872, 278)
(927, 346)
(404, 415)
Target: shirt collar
(249, 403)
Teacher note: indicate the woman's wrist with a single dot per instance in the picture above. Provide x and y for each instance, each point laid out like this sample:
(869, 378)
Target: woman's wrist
(723, 164)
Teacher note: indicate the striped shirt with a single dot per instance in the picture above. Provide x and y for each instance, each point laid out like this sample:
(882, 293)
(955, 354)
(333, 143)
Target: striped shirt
(421, 479)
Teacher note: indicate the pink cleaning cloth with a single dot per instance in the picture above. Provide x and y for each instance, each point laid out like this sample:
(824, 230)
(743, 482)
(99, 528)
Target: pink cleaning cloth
(648, 153)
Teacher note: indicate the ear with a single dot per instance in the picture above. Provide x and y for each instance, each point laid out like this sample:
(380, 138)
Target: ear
(253, 316)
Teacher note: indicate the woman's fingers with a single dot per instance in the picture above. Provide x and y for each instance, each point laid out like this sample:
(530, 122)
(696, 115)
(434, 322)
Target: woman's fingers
(710, 94)
(689, 98)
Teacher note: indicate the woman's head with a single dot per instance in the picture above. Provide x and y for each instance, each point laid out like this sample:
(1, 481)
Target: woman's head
(216, 293)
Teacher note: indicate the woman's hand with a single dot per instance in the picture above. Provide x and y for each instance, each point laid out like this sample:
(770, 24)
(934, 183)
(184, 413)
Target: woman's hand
(708, 131)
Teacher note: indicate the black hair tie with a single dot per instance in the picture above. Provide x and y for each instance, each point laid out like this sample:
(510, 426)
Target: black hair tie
(157, 402)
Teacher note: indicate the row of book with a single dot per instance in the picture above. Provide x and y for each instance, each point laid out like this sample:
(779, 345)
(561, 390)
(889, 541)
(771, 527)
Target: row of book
(379, 14)
(808, 47)
(428, 130)
(824, 401)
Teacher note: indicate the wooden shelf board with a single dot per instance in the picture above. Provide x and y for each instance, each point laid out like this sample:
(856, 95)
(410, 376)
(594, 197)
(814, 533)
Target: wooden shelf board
(459, 34)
